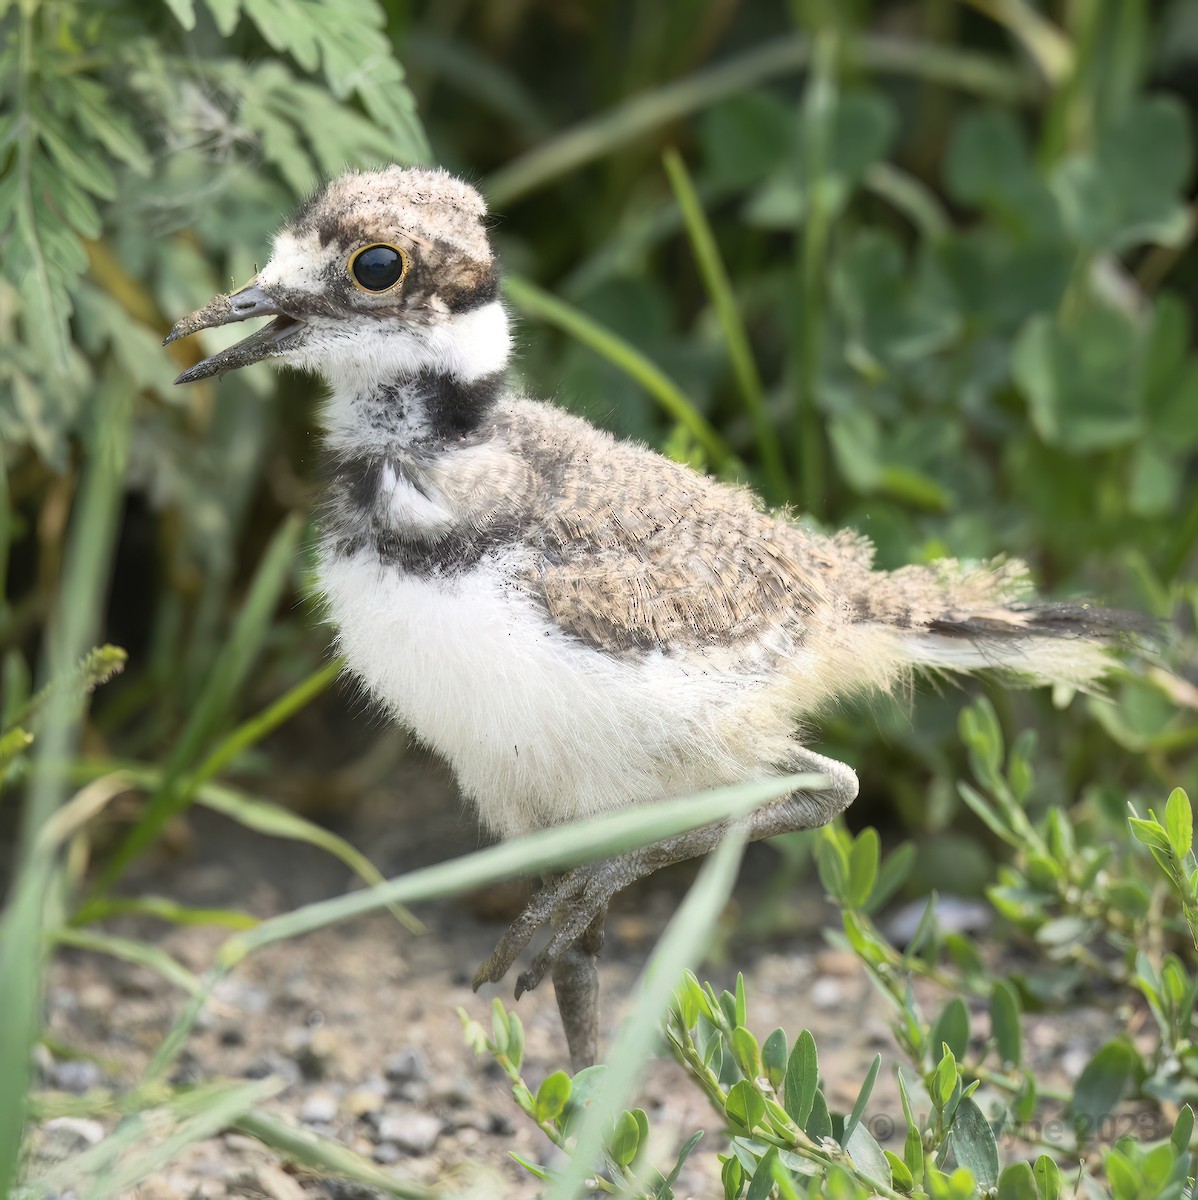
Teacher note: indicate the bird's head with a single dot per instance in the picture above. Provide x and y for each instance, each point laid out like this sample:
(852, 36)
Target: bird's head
(380, 274)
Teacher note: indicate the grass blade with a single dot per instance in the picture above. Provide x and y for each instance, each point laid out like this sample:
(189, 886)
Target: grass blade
(680, 947)
(622, 354)
(250, 732)
(139, 1147)
(22, 940)
(950, 66)
(228, 673)
(613, 833)
(719, 288)
(142, 954)
(326, 1156)
(586, 841)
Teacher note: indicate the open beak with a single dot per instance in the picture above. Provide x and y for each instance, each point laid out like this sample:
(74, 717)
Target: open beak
(250, 302)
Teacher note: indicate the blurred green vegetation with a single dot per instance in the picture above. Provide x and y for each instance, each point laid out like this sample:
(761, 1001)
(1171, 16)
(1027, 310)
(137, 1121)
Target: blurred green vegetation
(922, 267)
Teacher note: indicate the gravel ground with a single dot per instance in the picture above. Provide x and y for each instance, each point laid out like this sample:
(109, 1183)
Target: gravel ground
(360, 1020)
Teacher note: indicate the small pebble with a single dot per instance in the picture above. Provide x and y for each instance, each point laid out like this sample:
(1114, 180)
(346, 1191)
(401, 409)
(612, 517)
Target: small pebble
(364, 1100)
(408, 1063)
(77, 1075)
(82, 1130)
(414, 1133)
(318, 1107)
(386, 1153)
(827, 992)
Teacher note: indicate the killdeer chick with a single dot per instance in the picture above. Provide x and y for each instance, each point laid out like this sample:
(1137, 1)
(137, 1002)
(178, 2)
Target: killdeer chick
(577, 623)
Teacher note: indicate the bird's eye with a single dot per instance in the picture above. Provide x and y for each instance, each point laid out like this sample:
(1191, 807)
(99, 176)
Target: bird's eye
(378, 268)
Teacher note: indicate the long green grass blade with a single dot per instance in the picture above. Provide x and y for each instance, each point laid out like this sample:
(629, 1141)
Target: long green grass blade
(142, 954)
(164, 909)
(586, 841)
(949, 66)
(276, 821)
(250, 732)
(680, 947)
(148, 1141)
(622, 354)
(22, 932)
(613, 833)
(326, 1156)
(719, 288)
(212, 707)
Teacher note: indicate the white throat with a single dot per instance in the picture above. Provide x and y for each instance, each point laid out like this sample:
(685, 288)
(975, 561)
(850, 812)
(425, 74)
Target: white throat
(379, 359)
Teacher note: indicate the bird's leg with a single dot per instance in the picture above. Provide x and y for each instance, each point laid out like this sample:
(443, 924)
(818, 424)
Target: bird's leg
(575, 899)
(576, 987)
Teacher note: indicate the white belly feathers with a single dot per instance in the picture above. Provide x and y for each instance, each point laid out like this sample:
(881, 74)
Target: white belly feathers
(539, 727)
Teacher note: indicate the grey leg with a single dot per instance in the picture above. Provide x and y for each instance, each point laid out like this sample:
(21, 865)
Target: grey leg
(576, 986)
(579, 897)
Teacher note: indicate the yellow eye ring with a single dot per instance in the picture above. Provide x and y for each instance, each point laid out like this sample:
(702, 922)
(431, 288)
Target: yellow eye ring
(378, 268)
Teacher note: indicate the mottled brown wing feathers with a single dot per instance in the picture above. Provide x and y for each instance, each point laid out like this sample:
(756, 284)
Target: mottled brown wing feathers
(640, 552)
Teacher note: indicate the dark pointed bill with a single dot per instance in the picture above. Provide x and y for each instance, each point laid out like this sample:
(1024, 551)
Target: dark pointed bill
(225, 310)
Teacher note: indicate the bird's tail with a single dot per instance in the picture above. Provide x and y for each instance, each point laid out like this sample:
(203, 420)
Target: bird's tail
(950, 617)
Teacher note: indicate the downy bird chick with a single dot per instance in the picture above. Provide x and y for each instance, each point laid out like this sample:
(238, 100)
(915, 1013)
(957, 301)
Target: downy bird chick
(577, 623)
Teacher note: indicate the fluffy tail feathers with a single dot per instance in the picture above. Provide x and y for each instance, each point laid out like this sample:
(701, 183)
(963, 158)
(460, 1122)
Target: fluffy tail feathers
(959, 619)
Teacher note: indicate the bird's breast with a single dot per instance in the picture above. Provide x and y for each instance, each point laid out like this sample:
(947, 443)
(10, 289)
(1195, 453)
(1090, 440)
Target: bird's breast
(538, 726)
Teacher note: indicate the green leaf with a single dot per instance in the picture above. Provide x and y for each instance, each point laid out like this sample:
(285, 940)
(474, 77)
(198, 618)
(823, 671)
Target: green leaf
(1101, 1086)
(1048, 1178)
(989, 164)
(744, 1106)
(1005, 1023)
(500, 1026)
(683, 1154)
(952, 1027)
(802, 1079)
(530, 1167)
(1150, 833)
(863, 867)
(762, 1181)
(946, 1079)
(832, 863)
(515, 1042)
(1017, 1183)
(1179, 821)
(1129, 188)
(1183, 1130)
(862, 1099)
(625, 1139)
(895, 869)
(819, 1124)
(746, 1052)
(974, 1144)
(1125, 1178)
(745, 137)
(866, 1154)
(900, 1173)
(1081, 378)
(552, 1096)
(741, 1013)
(184, 12)
(732, 1175)
(773, 1058)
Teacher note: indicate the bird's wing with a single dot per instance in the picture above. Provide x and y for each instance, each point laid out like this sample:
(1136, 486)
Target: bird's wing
(636, 551)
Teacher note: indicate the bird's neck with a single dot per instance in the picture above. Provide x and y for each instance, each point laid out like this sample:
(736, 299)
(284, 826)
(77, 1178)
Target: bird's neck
(419, 389)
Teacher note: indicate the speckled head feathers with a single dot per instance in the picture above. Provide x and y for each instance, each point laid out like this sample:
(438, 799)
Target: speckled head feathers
(426, 205)
(379, 274)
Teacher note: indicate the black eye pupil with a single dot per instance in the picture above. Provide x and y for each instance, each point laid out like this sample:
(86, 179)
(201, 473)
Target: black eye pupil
(378, 267)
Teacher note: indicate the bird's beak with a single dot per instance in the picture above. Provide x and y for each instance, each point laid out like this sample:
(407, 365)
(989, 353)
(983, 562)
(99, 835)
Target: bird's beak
(250, 302)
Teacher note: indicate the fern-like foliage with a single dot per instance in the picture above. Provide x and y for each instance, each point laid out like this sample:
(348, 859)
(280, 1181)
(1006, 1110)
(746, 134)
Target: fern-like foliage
(114, 119)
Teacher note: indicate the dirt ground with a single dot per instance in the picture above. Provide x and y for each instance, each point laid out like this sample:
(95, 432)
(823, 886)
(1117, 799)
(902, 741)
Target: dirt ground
(360, 1020)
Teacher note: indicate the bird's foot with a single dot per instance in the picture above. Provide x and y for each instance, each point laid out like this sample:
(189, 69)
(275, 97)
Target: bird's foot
(568, 904)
